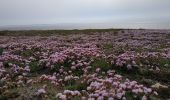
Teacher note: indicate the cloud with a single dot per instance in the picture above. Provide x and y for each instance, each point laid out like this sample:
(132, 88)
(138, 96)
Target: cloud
(18, 12)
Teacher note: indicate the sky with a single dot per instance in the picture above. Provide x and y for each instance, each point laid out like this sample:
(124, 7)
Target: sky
(111, 13)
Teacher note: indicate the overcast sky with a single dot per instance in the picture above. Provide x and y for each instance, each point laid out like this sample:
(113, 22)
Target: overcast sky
(116, 13)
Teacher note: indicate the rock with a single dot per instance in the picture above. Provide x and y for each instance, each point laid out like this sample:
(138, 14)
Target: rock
(158, 86)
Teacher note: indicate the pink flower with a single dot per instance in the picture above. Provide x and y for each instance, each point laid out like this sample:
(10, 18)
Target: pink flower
(53, 78)
(83, 98)
(77, 93)
(110, 98)
(41, 91)
(61, 96)
(91, 98)
(100, 98)
(129, 66)
(73, 67)
(119, 95)
(1, 64)
(124, 98)
(98, 70)
(155, 93)
(144, 98)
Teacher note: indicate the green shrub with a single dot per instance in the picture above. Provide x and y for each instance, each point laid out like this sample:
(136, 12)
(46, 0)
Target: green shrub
(56, 67)
(71, 87)
(129, 96)
(78, 72)
(66, 64)
(70, 82)
(101, 63)
(155, 61)
(34, 66)
(79, 87)
(107, 46)
(2, 97)
(27, 53)
(1, 51)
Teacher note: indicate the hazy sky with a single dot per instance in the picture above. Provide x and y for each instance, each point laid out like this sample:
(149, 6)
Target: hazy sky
(117, 13)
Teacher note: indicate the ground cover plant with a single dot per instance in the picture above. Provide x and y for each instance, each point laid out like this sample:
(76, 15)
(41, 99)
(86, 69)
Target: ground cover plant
(85, 65)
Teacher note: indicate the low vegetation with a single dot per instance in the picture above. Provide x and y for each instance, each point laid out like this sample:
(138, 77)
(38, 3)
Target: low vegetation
(91, 64)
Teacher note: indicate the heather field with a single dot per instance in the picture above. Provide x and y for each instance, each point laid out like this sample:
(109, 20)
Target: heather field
(85, 65)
